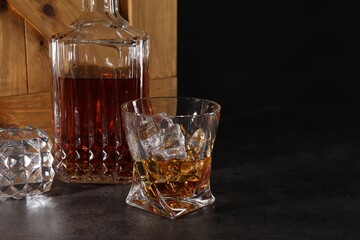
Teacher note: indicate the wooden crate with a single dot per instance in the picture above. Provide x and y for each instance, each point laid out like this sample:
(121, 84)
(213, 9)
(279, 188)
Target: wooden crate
(25, 73)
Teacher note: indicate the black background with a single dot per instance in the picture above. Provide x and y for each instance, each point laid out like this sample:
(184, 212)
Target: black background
(253, 54)
(286, 156)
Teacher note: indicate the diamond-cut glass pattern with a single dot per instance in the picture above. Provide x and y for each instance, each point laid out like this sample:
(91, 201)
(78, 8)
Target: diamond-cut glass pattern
(25, 162)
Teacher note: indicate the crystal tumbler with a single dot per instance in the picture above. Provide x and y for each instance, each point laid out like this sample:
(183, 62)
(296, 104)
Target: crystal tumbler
(25, 162)
(171, 140)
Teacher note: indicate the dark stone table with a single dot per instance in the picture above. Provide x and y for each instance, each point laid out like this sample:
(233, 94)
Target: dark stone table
(278, 173)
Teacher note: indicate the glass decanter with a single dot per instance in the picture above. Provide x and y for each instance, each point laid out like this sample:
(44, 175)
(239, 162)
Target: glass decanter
(100, 62)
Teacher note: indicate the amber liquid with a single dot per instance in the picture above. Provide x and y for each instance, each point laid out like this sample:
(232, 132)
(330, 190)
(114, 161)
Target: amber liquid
(90, 144)
(174, 178)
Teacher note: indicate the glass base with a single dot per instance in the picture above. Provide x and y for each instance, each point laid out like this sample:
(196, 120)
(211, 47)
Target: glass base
(147, 197)
(95, 173)
(24, 190)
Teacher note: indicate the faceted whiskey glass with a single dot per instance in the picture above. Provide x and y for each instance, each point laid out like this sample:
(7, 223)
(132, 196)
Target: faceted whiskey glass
(25, 162)
(171, 141)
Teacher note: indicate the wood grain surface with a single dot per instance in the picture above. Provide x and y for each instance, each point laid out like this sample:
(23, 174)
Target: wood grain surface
(163, 87)
(37, 60)
(159, 19)
(48, 16)
(29, 109)
(12, 53)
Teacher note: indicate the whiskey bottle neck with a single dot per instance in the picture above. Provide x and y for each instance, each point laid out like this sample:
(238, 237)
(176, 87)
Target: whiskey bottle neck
(100, 12)
(100, 6)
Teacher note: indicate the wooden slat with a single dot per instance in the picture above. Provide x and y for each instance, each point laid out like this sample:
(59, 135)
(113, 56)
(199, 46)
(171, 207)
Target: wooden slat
(48, 16)
(159, 19)
(12, 53)
(163, 87)
(30, 109)
(38, 62)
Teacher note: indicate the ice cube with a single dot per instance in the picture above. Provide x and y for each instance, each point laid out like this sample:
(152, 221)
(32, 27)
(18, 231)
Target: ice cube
(174, 137)
(147, 129)
(152, 142)
(172, 144)
(161, 153)
(196, 145)
(165, 121)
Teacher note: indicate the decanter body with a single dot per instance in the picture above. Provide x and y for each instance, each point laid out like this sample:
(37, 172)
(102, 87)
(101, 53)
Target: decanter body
(98, 63)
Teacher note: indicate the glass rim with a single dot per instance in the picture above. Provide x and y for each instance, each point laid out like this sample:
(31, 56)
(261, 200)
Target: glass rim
(216, 110)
